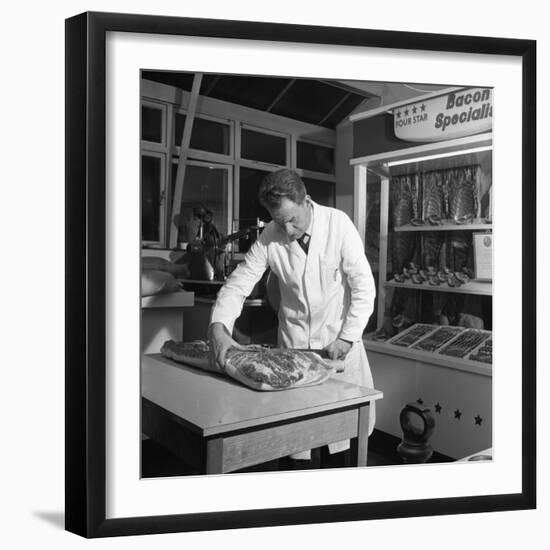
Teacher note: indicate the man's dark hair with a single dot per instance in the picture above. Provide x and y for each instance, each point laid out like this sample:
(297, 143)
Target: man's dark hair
(280, 184)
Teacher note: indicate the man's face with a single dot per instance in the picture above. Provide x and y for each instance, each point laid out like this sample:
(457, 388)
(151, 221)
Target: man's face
(293, 218)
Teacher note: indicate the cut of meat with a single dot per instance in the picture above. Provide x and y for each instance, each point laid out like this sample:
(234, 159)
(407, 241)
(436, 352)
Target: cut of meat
(257, 367)
(484, 353)
(195, 353)
(412, 335)
(441, 336)
(276, 369)
(465, 343)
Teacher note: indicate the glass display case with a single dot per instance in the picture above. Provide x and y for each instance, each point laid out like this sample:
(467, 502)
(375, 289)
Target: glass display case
(419, 209)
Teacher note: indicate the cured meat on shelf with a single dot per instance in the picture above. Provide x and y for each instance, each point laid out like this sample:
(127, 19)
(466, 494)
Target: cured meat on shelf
(484, 353)
(433, 207)
(457, 251)
(433, 197)
(412, 335)
(417, 194)
(437, 339)
(402, 211)
(463, 193)
(464, 343)
(403, 204)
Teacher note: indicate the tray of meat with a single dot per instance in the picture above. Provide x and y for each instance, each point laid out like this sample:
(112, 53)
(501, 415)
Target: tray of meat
(411, 335)
(465, 342)
(437, 339)
(484, 353)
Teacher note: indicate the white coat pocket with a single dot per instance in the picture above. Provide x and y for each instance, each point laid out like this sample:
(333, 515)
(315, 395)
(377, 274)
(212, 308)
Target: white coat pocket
(330, 274)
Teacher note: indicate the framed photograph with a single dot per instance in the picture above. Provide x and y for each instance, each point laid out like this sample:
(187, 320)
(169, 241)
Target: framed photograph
(412, 162)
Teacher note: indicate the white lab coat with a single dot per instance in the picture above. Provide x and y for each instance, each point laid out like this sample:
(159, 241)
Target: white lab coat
(325, 295)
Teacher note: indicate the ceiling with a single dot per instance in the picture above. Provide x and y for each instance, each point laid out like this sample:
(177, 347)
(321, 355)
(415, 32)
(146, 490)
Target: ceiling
(321, 102)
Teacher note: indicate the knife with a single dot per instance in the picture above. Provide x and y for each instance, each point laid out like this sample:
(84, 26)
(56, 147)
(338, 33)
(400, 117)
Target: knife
(321, 352)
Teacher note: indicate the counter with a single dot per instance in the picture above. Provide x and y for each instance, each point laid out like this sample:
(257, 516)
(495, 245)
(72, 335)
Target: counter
(162, 319)
(457, 392)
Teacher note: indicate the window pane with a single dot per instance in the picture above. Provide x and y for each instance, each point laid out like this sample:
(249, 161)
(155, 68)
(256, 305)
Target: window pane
(210, 136)
(315, 157)
(207, 135)
(321, 192)
(151, 124)
(249, 205)
(263, 147)
(150, 198)
(203, 187)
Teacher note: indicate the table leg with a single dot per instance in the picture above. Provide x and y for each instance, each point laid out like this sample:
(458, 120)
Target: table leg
(363, 435)
(214, 456)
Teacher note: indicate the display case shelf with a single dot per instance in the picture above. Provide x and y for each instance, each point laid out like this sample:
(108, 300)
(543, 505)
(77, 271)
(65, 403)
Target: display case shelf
(472, 287)
(446, 225)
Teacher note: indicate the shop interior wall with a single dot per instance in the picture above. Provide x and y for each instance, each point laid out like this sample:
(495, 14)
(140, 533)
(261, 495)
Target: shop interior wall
(344, 171)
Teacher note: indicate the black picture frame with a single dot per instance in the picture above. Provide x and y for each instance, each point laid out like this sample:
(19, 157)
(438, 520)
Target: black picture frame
(86, 262)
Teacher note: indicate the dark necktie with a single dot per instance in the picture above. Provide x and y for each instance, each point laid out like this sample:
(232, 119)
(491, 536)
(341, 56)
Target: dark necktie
(303, 241)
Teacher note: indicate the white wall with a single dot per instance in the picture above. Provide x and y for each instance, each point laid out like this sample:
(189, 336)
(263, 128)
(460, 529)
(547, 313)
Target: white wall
(32, 276)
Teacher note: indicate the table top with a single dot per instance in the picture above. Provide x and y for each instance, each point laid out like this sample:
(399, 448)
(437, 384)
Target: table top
(213, 404)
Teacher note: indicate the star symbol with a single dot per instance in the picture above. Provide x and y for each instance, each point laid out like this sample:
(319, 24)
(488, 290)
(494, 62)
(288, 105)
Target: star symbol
(406, 112)
(398, 114)
(458, 414)
(423, 107)
(414, 109)
(419, 401)
(478, 420)
(437, 408)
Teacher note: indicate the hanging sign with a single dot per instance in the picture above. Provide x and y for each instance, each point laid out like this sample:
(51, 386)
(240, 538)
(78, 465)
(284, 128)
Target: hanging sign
(453, 115)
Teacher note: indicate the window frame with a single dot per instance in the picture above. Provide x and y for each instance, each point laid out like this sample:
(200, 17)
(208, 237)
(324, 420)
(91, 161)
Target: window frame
(168, 100)
(163, 108)
(162, 202)
(261, 130)
(225, 166)
(319, 144)
(314, 175)
(199, 153)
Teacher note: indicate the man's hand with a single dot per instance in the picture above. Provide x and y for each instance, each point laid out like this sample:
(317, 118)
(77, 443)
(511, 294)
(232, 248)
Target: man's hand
(338, 349)
(220, 341)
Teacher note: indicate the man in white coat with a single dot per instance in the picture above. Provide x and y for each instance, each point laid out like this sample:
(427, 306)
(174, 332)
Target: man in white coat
(326, 284)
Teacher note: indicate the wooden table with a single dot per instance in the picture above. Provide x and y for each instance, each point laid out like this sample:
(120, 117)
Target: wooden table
(218, 425)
